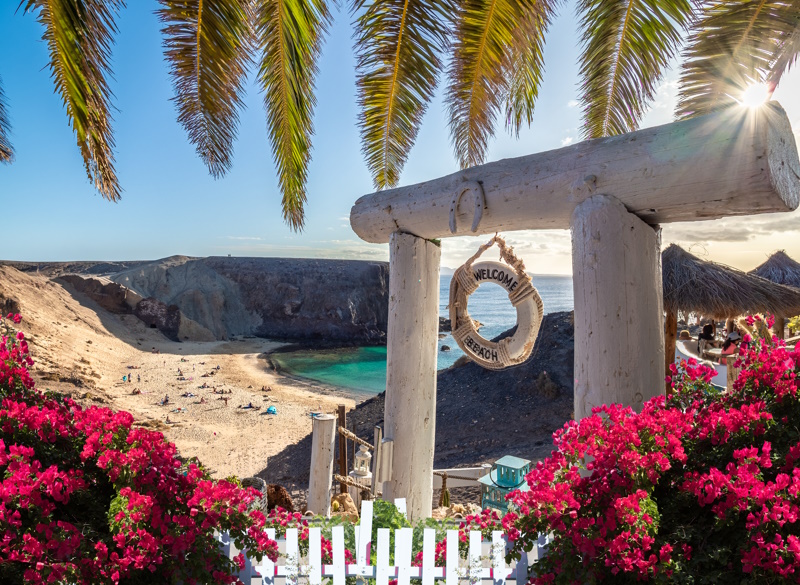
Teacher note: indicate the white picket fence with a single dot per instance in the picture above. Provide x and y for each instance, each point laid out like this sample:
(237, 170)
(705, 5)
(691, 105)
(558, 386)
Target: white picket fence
(485, 563)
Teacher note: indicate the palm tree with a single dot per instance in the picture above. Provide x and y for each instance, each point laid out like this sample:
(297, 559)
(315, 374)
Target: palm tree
(490, 53)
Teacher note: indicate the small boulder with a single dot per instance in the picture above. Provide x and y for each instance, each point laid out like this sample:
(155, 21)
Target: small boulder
(277, 496)
(445, 348)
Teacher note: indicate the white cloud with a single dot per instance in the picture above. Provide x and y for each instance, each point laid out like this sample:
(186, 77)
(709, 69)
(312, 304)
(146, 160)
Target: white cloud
(573, 103)
(567, 141)
(244, 238)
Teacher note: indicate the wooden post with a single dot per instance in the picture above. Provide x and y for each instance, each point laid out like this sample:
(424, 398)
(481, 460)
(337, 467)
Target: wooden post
(342, 422)
(670, 336)
(619, 344)
(323, 429)
(412, 334)
(376, 460)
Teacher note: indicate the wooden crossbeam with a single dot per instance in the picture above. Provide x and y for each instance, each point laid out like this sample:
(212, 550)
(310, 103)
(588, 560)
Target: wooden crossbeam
(735, 162)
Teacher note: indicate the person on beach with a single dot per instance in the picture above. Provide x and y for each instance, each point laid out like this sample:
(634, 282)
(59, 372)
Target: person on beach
(138, 379)
(226, 400)
(165, 401)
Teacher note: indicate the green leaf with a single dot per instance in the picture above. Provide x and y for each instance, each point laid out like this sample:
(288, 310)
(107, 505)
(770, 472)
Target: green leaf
(79, 35)
(627, 45)
(208, 45)
(734, 45)
(290, 35)
(6, 152)
(527, 66)
(496, 64)
(398, 46)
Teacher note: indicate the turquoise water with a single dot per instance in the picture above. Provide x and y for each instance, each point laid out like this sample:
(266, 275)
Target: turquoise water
(362, 370)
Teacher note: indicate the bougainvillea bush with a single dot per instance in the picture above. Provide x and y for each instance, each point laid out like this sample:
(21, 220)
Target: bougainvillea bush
(700, 487)
(87, 498)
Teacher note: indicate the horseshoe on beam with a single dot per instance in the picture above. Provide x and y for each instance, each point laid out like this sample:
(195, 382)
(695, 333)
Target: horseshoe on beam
(480, 204)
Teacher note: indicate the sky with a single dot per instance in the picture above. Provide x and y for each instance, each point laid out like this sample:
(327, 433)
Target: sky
(171, 205)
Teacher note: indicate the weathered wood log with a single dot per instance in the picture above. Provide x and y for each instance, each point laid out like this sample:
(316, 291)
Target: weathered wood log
(323, 434)
(619, 341)
(735, 162)
(412, 335)
(670, 337)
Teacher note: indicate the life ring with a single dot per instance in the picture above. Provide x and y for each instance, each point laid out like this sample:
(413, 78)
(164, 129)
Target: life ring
(523, 295)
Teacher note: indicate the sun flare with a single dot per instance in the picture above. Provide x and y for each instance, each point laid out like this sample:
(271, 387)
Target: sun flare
(755, 95)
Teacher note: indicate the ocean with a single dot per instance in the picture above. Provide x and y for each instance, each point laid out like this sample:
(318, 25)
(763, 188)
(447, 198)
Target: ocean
(362, 370)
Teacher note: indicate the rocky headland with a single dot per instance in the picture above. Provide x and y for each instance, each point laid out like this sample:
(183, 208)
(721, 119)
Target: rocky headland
(217, 298)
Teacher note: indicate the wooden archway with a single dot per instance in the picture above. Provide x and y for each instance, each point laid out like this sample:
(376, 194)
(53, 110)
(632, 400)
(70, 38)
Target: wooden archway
(613, 193)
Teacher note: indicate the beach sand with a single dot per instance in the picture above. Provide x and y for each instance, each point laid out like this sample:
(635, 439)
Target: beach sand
(83, 350)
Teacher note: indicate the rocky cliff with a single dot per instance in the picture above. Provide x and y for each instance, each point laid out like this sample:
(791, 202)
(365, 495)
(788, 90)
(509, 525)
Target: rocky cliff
(282, 298)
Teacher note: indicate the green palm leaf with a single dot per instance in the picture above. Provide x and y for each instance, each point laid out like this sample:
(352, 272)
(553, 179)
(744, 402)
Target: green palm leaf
(290, 35)
(527, 66)
(398, 46)
(6, 152)
(733, 45)
(79, 35)
(627, 46)
(207, 44)
(490, 36)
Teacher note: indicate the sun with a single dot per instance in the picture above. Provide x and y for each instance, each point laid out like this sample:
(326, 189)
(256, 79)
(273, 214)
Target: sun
(755, 95)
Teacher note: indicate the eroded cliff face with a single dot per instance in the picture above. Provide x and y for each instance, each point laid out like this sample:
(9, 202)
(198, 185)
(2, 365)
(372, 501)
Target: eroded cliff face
(294, 299)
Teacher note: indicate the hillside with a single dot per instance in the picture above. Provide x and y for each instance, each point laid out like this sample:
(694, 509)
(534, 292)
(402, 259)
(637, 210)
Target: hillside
(83, 350)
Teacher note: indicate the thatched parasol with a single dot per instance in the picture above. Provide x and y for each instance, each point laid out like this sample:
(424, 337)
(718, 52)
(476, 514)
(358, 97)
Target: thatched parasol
(782, 269)
(719, 291)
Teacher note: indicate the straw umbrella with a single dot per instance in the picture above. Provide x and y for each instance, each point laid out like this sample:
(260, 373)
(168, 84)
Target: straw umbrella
(782, 269)
(719, 291)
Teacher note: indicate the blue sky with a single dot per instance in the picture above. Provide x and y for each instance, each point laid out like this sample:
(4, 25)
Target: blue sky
(171, 205)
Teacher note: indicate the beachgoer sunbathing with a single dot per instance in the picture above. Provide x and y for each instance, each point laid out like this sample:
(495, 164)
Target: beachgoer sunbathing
(136, 391)
(165, 400)
(202, 400)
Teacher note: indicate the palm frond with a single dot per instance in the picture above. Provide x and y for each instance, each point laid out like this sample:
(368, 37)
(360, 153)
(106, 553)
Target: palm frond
(290, 35)
(734, 44)
(6, 152)
(79, 35)
(527, 65)
(398, 45)
(627, 45)
(489, 36)
(208, 46)
(786, 52)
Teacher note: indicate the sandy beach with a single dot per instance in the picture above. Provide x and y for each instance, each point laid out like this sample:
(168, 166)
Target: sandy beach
(82, 350)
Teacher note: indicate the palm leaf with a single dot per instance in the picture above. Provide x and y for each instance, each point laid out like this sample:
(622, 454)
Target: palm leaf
(290, 35)
(785, 54)
(527, 65)
(733, 45)
(79, 35)
(6, 152)
(489, 37)
(627, 45)
(207, 44)
(398, 44)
